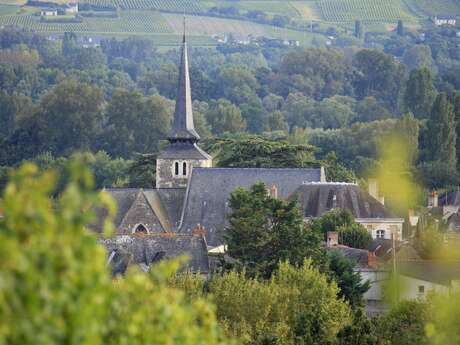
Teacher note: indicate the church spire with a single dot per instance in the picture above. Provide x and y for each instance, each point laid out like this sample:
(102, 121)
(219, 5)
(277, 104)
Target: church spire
(182, 128)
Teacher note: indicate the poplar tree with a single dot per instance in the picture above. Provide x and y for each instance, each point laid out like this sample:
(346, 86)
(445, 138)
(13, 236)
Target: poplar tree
(442, 137)
(420, 93)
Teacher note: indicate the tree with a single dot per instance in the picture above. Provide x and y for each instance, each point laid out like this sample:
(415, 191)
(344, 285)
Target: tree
(224, 116)
(67, 296)
(341, 220)
(70, 114)
(400, 28)
(358, 29)
(361, 331)
(379, 76)
(349, 281)
(334, 112)
(369, 109)
(404, 324)
(264, 230)
(297, 306)
(442, 138)
(418, 57)
(408, 127)
(456, 105)
(258, 152)
(135, 123)
(419, 93)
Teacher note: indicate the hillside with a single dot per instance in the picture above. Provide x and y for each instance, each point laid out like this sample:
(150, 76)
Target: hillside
(160, 19)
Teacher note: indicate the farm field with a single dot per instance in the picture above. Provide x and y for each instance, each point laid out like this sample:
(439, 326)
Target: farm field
(434, 7)
(365, 10)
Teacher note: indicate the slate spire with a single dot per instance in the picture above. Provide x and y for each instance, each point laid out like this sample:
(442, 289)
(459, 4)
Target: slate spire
(182, 128)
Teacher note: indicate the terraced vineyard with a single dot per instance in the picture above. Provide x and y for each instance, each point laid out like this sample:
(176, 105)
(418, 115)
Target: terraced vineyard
(188, 6)
(434, 7)
(366, 10)
(146, 22)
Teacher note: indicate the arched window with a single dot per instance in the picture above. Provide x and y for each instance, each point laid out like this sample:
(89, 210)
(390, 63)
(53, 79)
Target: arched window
(141, 230)
(184, 169)
(380, 233)
(176, 168)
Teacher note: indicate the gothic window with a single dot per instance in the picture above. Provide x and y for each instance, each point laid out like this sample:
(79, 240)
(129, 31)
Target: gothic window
(380, 233)
(184, 169)
(141, 230)
(176, 168)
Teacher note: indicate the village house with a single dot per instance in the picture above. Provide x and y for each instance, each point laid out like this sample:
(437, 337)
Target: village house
(444, 20)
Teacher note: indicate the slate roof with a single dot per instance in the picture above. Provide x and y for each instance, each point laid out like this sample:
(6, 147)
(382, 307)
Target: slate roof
(148, 249)
(209, 189)
(439, 272)
(358, 256)
(318, 198)
(183, 150)
(451, 198)
(182, 128)
(173, 202)
(140, 206)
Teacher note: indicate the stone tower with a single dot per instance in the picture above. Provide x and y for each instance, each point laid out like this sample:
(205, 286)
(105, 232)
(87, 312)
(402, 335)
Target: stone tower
(176, 161)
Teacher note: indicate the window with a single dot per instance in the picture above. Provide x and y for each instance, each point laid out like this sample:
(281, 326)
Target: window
(176, 168)
(421, 289)
(141, 230)
(184, 169)
(380, 233)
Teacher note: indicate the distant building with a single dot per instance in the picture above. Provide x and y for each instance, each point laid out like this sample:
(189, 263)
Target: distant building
(70, 8)
(444, 20)
(48, 12)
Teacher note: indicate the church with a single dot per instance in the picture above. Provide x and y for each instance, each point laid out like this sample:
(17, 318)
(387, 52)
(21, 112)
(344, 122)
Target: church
(185, 214)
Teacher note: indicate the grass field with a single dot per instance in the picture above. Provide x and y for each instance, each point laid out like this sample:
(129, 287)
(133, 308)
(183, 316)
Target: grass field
(434, 7)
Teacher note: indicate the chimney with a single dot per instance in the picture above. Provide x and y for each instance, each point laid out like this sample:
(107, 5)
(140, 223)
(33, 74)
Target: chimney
(332, 238)
(373, 189)
(274, 192)
(371, 259)
(433, 199)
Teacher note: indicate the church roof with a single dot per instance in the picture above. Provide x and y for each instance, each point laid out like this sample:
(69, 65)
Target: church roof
(209, 189)
(181, 150)
(182, 128)
(318, 198)
(148, 249)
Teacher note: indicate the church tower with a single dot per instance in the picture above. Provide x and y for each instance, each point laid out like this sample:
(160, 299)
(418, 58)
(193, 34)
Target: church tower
(176, 161)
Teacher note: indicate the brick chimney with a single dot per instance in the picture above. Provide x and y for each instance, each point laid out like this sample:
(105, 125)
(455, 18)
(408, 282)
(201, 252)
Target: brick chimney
(371, 259)
(332, 238)
(433, 199)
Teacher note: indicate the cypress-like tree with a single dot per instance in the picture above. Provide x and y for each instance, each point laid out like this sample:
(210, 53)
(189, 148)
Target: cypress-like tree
(420, 93)
(441, 136)
(358, 29)
(400, 28)
(456, 105)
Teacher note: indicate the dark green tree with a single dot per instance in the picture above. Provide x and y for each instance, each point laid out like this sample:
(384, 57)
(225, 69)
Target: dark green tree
(441, 136)
(264, 230)
(358, 29)
(258, 152)
(400, 28)
(223, 116)
(456, 105)
(419, 93)
(351, 286)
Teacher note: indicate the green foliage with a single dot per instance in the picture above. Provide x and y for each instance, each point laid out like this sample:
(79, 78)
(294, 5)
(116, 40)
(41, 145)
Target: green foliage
(224, 116)
(441, 136)
(336, 171)
(361, 331)
(264, 230)
(404, 324)
(349, 282)
(340, 220)
(56, 288)
(258, 152)
(296, 306)
(420, 93)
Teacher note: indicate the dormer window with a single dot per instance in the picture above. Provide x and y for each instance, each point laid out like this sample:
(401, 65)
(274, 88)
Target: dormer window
(381, 234)
(140, 230)
(184, 169)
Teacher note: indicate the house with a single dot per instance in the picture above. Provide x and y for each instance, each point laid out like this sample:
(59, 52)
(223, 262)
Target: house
(186, 212)
(48, 12)
(70, 8)
(444, 20)
(317, 198)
